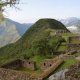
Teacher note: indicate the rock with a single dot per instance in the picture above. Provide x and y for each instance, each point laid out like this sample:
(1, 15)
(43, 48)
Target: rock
(78, 58)
(59, 75)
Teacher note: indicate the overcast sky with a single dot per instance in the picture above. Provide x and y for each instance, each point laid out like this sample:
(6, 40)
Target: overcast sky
(32, 10)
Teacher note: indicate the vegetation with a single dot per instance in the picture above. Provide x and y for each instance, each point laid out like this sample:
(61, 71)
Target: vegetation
(38, 59)
(4, 3)
(38, 71)
(66, 64)
(62, 47)
(36, 41)
(74, 72)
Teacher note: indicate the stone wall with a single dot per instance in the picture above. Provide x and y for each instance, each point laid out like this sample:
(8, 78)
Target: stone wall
(47, 64)
(13, 65)
(73, 73)
(48, 71)
(71, 47)
(60, 31)
(29, 64)
(7, 74)
(20, 63)
(73, 39)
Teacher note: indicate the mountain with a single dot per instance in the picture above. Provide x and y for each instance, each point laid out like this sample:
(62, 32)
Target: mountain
(8, 33)
(36, 41)
(73, 24)
(21, 28)
(11, 31)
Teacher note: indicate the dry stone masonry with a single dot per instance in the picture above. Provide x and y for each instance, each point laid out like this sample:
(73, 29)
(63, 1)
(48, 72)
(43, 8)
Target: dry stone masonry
(74, 39)
(20, 63)
(7, 71)
(60, 31)
(47, 63)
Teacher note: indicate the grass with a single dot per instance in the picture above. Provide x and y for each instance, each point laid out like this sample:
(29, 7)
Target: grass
(38, 71)
(66, 35)
(38, 59)
(62, 47)
(66, 64)
(77, 54)
(75, 41)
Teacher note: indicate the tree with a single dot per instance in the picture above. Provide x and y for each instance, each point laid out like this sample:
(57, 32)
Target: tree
(4, 3)
(40, 46)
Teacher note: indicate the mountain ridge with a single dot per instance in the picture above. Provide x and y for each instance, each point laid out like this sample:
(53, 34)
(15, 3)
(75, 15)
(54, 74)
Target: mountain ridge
(27, 45)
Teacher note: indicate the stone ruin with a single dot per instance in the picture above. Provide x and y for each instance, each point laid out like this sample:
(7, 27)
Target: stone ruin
(47, 63)
(73, 73)
(74, 38)
(20, 63)
(14, 65)
(73, 47)
(73, 44)
(9, 71)
(60, 31)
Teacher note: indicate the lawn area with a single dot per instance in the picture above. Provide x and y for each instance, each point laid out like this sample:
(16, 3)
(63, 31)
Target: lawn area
(66, 64)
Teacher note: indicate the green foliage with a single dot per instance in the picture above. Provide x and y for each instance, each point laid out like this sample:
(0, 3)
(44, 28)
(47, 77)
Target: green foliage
(38, 58)
(66, 64)
(38, 71)
(36, 40)
(62, 47)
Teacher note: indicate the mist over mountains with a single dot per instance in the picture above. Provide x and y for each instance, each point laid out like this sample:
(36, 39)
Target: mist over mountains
(11, 31)
(21, 28)
(73, 24)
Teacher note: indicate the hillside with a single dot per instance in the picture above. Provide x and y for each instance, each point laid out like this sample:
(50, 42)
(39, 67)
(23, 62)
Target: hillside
(36, 41)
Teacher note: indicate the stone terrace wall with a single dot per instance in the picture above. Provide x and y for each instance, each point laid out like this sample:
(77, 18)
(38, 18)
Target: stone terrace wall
(13, 65)
(29, 64)
(48, 71)
(20, 63)
(60, 31)
(46, 64)
(71, 47)
(7, 74)
(74, 38)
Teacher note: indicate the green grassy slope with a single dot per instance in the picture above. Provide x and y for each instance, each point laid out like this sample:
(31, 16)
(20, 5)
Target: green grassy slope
(27, 44)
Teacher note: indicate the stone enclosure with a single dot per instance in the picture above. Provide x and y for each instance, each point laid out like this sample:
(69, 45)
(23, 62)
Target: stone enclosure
(47, 63)
(10, 69)
(20, 63)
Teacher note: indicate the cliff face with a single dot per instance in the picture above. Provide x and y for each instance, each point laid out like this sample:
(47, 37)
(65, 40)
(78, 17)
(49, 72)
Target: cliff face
(8, 33)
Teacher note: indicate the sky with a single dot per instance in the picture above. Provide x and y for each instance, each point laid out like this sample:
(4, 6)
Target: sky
(31, 10)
